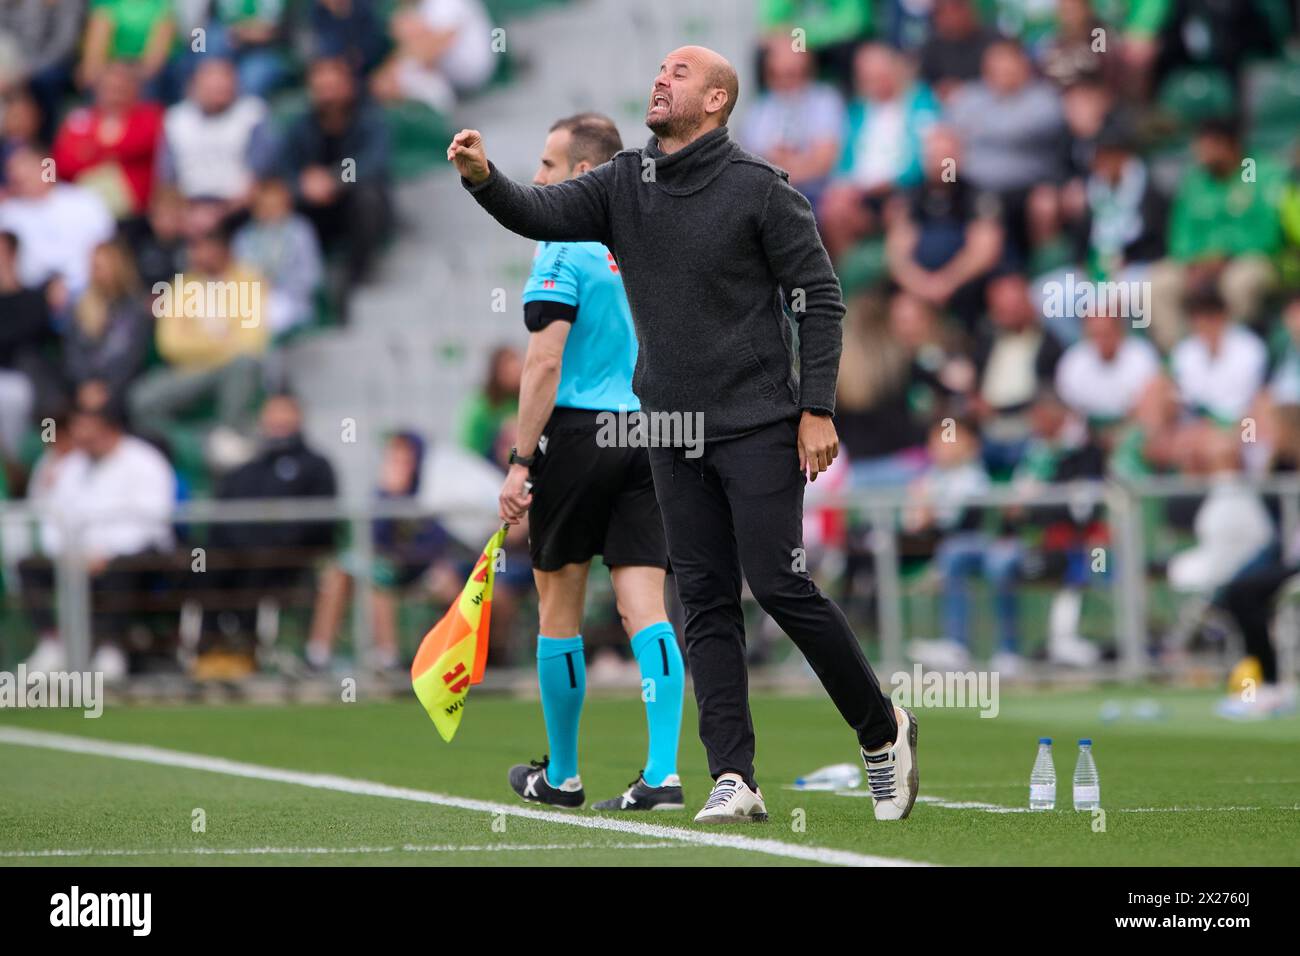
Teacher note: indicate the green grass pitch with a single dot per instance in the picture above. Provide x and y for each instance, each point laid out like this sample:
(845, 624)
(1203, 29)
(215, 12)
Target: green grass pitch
(1185, 790)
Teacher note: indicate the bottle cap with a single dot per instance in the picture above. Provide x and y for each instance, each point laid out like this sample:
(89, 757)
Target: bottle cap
(1044, 740)
(1085, 741)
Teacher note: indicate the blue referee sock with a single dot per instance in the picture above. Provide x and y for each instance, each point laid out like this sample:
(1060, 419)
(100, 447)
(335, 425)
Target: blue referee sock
(662, 680)
(562, 679)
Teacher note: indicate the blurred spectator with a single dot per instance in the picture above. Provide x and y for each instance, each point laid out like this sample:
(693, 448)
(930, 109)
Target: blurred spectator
(57, 224)
(1284, 384)
(46, 34)
(831, 28)
(1076, 50)
(1233, 528)
(285, 249)
(886, 123)
(1121, 231)
(252, 560)
(212, 333)
(347, 29)
(945, 235)
(158, 239)
(896, 378)
(117, 492)
(404, 551)
(111, 147)
(954, 53)
(338, 156)
(1015, 357)
(251, 34)
(21, 125)
(1102, 376)
(485, 413)
(24, 330)
(1220, 367)
(215, 140)
(955, 474)
(1152, 442)
(796, 123)
(135, 31)
(442, 49)
(1059, 451)
(112, 330)
(1011, 126)
(1224, 229)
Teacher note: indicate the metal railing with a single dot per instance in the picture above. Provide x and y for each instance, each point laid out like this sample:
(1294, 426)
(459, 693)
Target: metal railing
(882, 510)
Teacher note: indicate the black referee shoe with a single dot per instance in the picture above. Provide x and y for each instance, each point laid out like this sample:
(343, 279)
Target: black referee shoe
(529, 781)
(641, 796)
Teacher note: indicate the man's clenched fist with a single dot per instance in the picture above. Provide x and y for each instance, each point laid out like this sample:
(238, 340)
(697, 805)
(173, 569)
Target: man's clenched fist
(467, 153)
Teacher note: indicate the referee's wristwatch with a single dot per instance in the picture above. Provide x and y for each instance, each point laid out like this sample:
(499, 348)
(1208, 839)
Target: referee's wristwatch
(525, 460)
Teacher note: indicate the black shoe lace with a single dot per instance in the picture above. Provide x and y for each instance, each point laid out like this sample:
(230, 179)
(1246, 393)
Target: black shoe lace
(541, 764)
(880, 779)
(722, 792)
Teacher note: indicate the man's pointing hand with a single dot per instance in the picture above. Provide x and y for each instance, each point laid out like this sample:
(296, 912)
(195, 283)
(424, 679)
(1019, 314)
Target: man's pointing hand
(467, 153)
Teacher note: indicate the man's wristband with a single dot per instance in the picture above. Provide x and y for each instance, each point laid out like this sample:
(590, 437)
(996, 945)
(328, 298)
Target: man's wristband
(525, 460)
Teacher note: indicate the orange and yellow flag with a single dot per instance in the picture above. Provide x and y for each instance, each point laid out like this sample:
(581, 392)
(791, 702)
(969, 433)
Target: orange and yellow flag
(453, 654)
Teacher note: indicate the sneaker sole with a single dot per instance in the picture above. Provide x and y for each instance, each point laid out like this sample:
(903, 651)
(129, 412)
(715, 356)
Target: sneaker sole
(747, 818)
(658, 806)
(913, 775)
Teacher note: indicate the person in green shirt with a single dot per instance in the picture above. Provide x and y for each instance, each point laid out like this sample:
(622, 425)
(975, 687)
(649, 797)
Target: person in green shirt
(1224, 229)
(249, 33)
(487, 410)
(138, 31)
(831, 29)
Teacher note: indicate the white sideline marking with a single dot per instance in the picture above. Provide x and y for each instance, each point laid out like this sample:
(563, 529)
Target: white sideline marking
(320, 781)
(331, 850)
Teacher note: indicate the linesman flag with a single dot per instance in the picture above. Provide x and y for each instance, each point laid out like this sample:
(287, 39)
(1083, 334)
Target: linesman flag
(453, 654)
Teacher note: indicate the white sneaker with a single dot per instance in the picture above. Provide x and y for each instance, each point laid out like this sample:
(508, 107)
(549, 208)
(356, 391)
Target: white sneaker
(109, 660)
(47, 656)
(732, 802)
(1007, 665)
(940, 655)
(1072, 651)
(891, 771)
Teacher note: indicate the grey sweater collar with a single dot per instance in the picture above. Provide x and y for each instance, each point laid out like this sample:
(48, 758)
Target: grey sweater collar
(693, 166)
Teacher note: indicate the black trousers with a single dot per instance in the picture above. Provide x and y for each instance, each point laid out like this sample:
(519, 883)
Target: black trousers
(739, 507)
(1250, 599)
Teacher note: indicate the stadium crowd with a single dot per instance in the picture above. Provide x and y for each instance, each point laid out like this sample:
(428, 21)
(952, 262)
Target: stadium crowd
(1068, 232)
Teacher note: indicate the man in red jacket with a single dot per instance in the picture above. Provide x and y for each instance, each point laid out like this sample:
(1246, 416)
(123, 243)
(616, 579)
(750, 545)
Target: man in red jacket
(110, 147)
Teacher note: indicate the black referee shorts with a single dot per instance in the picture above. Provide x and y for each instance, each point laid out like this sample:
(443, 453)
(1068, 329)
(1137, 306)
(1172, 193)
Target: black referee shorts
(589, 500)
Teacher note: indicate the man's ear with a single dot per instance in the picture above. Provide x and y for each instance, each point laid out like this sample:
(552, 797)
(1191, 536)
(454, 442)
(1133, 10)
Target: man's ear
(716, 101)
(581, 167)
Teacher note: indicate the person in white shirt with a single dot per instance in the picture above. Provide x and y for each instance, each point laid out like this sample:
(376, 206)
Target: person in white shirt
(112, 499)
(215, 141)
(1221, 366)
(443, 49)
(58, 225)
(1102, 376)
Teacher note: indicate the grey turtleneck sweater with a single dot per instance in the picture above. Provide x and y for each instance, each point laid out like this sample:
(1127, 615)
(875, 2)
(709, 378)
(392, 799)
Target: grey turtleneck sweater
(707, 239)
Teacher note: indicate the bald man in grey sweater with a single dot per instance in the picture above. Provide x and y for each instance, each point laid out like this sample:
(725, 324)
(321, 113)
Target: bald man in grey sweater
(715, 248)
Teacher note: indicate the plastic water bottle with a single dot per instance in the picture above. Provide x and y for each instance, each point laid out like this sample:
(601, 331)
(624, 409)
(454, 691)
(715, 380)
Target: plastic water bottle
(840, 776)
(1042, 781)
(1087, 786)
